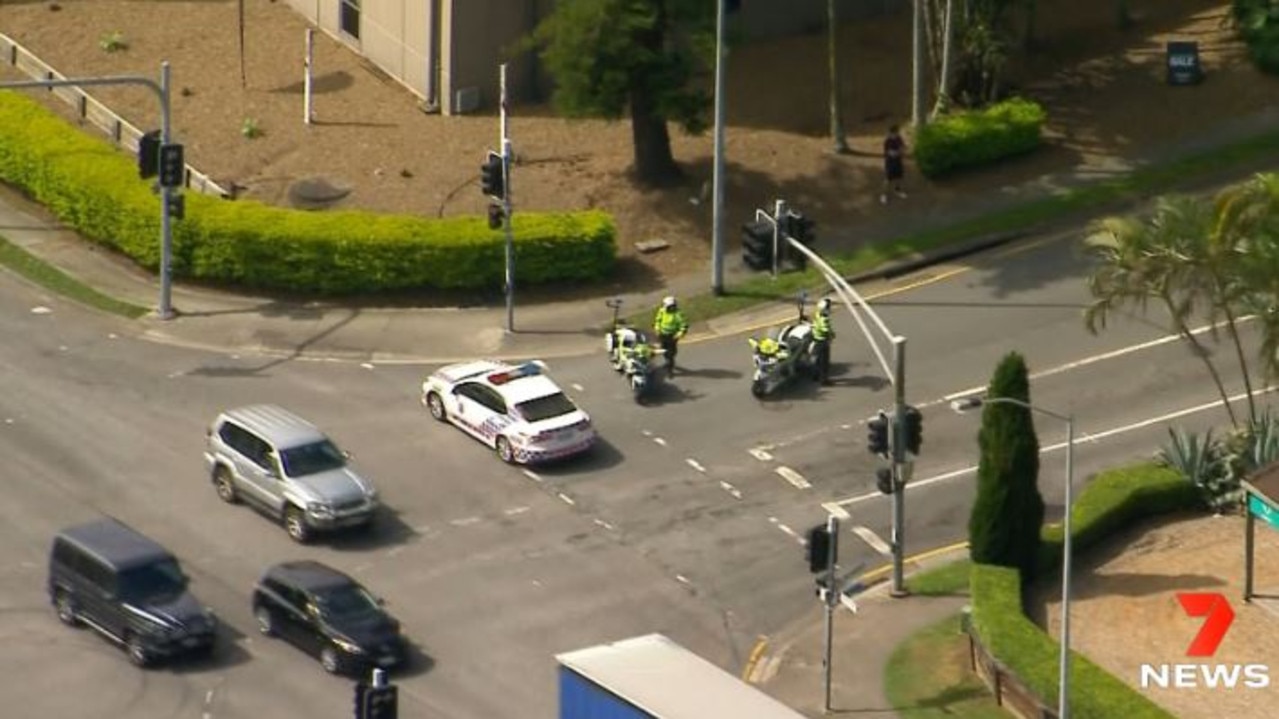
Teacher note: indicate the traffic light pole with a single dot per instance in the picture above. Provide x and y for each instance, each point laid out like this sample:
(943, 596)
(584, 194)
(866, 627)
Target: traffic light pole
(506, 210)
(165, 310)
(832, 596)
(899, 466)
(779, 233)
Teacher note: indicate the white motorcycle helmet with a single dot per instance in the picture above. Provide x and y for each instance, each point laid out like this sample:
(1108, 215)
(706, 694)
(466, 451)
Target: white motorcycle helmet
(823, 305)
(668, 302)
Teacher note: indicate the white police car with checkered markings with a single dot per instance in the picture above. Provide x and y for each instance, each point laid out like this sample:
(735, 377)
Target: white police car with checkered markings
(515, 409)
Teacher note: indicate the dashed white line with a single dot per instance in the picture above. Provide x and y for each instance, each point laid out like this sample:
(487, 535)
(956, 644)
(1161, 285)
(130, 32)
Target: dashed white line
(367, 365)
(514, 511)
(793, 477)
(532, 475)
(578, 387)
(730, 489)
(466, 521)
(660, 441)
(835, 509)
(761, 453)
(604, 524)
(696, 465)
(566, 499)
(786, 529)
(875, 542)
(646, 433)
(681, 579)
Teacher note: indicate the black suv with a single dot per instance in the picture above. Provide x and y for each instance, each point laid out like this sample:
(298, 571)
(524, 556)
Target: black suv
(327, 614)
(128, 588)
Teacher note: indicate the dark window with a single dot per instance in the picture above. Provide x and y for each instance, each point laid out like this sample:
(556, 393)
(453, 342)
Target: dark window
(154, 582)
(313, 458)
(490, 398)
(346, 602)
(284, 593)
(349, 17)
(552, 405)
(96, 573)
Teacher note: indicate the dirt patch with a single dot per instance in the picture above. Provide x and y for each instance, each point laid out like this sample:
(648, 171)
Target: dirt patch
(1124, 611)
(1104, 88)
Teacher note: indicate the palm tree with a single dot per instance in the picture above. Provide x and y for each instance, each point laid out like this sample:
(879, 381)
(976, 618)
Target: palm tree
(1155, 260)
(1249, 214)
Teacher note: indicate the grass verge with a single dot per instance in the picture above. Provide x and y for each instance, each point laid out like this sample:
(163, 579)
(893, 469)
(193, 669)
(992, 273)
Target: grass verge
(929, 676)
(1144, 181)
(947, 580)
(55, 280)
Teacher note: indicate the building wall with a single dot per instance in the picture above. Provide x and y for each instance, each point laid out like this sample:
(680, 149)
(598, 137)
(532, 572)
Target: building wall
(475, 36)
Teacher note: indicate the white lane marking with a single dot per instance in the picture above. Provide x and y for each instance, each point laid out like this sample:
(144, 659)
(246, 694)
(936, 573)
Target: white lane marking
(761, 453)
(567, 499)
(368, 365)
(646, 433)
(786, 529)
(514, 511)
(578, 387)
(208, 697)
(833, 507)
(681, 579)
(466, 521)
(660, 441)
(40, 310)
(604, 524)
(730, 489)
(838, 511)
(111, 335)
(793, 477)
(1098, 358)
(875, 542)
(696, 465)
(532, 475)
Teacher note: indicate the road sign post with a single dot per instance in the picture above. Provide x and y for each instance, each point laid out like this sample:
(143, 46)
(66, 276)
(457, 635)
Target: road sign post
(832, 598)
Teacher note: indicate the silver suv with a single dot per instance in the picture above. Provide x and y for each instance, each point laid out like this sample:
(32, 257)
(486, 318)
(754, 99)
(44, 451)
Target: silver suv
(288, 468)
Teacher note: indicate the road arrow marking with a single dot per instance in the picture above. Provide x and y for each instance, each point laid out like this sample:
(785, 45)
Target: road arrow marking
(793, 477)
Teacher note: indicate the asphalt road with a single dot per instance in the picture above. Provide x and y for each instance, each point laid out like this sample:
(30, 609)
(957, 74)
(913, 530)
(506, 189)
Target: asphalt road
(685, 521)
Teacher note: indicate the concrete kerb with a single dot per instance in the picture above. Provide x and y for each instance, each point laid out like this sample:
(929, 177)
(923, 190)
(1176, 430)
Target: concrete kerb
(873, 585)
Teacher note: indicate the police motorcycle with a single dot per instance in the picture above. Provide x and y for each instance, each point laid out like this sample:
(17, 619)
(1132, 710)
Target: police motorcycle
(783, 355)
(630, 354)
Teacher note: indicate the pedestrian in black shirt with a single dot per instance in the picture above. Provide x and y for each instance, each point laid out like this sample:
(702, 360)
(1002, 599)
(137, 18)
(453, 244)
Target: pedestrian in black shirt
(894, 150)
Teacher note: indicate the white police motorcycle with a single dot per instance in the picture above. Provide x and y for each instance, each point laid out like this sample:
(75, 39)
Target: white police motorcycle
(783, 355)
(630, 353)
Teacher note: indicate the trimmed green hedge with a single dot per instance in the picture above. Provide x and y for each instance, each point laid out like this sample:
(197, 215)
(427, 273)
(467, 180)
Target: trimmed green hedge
(970, 138)
(1114, 499)
(94, 188)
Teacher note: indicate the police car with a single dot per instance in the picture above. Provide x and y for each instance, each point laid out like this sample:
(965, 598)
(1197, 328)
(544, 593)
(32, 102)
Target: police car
(515, 409)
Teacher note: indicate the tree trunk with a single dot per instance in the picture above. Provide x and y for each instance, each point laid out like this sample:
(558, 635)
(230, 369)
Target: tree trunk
(943, 83)
(1243, 362)
(1184, 330)
(654, 164)
(836, 112)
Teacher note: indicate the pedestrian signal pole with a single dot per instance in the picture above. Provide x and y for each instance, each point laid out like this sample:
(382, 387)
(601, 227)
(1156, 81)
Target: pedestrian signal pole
(506, 211)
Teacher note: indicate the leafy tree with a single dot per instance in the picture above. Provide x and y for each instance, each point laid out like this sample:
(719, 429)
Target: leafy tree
(1247, 218)
(1008, 514)
(613, 57)
(1161, 259)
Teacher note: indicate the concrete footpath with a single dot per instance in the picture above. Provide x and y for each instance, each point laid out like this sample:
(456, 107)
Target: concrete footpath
(787, 665)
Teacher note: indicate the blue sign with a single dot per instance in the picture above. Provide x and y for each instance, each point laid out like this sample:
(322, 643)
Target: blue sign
(1258, 507)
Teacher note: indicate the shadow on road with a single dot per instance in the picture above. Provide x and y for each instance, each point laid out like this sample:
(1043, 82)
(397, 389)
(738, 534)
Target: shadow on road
(387, 530)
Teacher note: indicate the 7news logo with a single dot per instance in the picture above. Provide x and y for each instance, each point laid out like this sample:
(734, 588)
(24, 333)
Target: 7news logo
(1218, 616)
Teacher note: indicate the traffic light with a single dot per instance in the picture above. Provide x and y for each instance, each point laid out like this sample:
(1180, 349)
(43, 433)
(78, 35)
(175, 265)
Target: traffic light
(496, 216)
(877, 434)
(819, 549)
(757, 245)
(914, 421)
(149, 154)
(491, 180)
(380, 703)
(803, 230)
(884, 480)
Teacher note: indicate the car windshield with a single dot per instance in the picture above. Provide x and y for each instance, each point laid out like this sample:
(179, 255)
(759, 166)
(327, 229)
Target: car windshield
(552, 405)
(349, 601)
(153, 581)
(311, 458)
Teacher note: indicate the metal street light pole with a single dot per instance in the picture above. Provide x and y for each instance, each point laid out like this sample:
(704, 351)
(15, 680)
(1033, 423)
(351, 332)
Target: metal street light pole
(1063, 669)
(717, 202)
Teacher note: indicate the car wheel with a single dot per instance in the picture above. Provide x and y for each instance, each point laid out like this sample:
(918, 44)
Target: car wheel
(222, 483)
(436, 406)
(295, 525)
(266, 621)
(504, 451)
(66, 609)
(137, 652)
(330, 660)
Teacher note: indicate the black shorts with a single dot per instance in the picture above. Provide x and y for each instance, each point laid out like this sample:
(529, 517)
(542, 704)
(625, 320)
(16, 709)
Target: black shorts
(893, 169)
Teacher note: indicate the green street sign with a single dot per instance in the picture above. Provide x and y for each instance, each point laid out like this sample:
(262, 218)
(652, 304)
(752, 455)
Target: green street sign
(1261, 510)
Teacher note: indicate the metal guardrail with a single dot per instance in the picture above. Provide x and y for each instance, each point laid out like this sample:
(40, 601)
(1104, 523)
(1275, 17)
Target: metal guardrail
(91, 110)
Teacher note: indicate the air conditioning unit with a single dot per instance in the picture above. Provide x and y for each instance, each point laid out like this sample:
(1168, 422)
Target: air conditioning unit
(466, 100)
